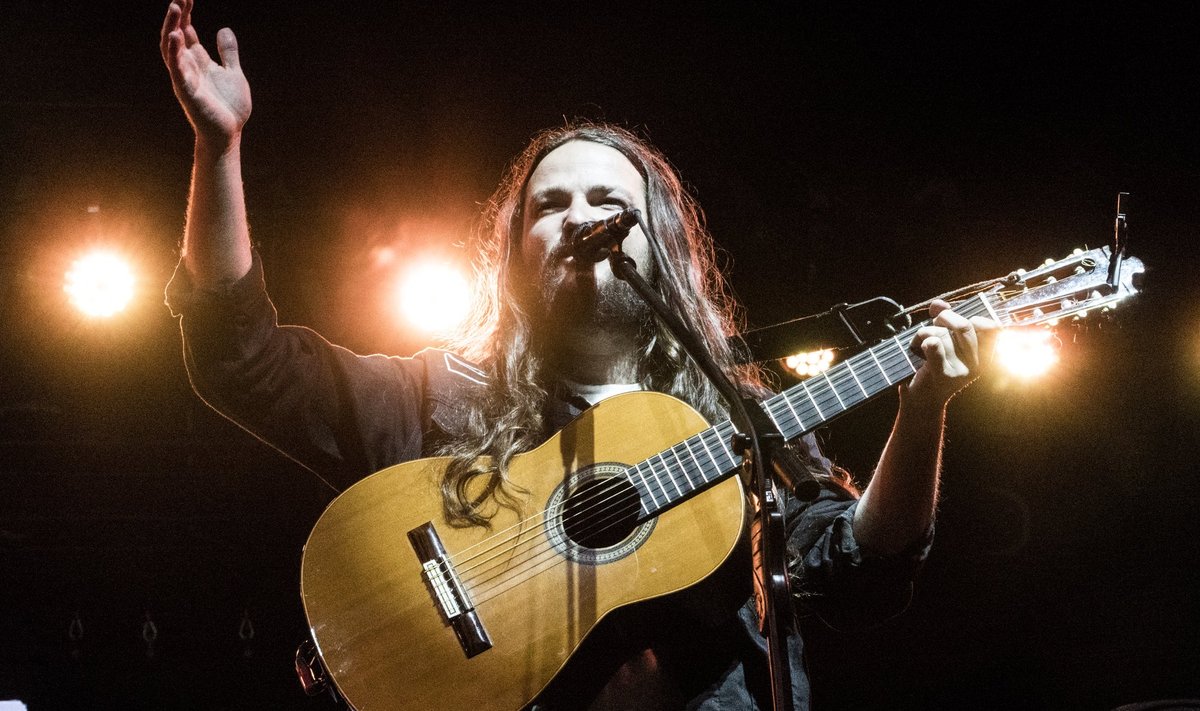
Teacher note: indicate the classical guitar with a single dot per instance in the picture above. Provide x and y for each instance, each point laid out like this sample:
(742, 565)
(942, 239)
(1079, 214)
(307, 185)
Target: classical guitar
(635, 499)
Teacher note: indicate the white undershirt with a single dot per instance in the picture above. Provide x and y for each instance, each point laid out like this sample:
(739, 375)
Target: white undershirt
(595, 393)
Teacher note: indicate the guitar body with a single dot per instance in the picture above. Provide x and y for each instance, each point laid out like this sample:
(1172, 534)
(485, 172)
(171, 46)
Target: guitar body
(410, 613)
(376, 620)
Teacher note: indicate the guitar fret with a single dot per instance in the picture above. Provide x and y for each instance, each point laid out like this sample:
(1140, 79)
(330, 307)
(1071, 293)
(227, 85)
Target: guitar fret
(699, 466)
(646, 483)
(721, 441)
(814, 402)
(991, 311)
(879, 365)
(856, 380)
(641, 499)
(774, 419)
(787, 401)
(661, 488)
(682, 468)
(708, 451)
(904, 353)
(834, 389)
(667, 473)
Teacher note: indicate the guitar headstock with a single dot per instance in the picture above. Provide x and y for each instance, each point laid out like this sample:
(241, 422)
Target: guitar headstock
(1073, 287)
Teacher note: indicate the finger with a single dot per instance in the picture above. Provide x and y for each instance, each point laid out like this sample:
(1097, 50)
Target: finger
(924, 334)
(190, 37)
(937, 306)
(173, 56)
(984, 325)
(189, 30)
(986, 329)
(933, 349)
(962, 333)
(170, 22)
(227, 48)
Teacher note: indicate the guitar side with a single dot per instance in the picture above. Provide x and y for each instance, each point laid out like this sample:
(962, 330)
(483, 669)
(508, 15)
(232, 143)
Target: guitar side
(377, 624)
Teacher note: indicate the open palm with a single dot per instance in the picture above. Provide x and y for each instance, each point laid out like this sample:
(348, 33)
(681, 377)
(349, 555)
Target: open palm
(215, 96)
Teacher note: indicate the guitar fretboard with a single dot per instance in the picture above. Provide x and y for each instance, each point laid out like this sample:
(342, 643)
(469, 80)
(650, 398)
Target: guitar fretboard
(674, 475)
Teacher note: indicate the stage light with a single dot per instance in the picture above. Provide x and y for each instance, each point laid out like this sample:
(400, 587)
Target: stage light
(809, 364)
(1026, 353)
(434, 296)
(100, 284)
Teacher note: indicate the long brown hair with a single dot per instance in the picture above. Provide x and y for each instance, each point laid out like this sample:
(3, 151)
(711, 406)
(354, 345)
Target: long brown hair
(507, 416)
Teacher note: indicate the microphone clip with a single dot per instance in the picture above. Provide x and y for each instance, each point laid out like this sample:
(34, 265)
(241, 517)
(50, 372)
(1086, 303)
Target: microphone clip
(593, 241)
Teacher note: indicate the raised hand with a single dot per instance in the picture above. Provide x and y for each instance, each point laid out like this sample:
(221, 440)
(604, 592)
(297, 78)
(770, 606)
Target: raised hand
(215, 96)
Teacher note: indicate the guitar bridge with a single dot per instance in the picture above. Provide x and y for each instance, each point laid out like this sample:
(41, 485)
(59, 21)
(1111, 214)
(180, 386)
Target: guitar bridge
(449, 595)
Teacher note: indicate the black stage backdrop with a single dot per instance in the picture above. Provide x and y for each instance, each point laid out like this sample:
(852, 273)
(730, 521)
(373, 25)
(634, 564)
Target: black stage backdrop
(841, 151)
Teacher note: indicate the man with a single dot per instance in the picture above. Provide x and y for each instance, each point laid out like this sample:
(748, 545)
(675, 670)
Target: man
(552, 337)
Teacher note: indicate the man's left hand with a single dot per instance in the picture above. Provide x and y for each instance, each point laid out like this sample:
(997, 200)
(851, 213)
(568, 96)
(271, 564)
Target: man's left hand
(956, 350)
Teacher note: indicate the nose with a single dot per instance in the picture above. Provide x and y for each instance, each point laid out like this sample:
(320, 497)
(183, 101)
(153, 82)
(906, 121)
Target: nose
(578, 213)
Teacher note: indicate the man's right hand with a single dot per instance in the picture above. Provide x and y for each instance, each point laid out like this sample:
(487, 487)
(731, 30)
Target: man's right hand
(216, 97)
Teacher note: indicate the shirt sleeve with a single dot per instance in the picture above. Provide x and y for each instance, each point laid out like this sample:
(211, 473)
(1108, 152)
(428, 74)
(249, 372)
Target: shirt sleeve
(339, 414)
(832, 576)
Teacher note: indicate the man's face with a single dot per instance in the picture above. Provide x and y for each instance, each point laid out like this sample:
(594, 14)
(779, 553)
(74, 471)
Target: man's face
(579, 182)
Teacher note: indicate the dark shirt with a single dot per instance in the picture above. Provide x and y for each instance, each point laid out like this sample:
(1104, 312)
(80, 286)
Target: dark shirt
(344, 416)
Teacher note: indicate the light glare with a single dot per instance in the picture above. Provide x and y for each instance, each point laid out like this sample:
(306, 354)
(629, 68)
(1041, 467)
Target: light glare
(100, 284)
(809, 364)
(434, 297)
(1026, 353)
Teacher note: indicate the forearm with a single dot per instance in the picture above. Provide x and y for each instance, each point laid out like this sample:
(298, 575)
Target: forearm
(216, 245)
(897, 507)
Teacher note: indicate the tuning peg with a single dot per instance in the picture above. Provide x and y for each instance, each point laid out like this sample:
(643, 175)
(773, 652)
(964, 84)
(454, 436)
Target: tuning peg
(1077, 252)
(1048, 262)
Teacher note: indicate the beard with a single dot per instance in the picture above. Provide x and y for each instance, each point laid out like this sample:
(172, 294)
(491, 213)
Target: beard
(572, 302)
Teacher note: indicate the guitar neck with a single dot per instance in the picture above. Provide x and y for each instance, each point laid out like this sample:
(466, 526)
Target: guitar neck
(676, 474)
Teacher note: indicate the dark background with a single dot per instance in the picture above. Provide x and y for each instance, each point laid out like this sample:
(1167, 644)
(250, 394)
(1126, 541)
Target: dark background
(841, 152)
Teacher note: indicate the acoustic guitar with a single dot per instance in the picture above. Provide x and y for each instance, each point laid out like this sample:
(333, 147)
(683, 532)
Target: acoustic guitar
(635, 499)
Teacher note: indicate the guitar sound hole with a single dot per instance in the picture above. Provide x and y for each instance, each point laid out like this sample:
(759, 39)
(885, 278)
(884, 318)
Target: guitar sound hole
(601, 512)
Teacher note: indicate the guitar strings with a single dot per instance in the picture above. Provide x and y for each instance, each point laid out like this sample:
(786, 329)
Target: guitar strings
(773, 404)
(484, 587)
(609, 512)
(537, 558)
(603, 506)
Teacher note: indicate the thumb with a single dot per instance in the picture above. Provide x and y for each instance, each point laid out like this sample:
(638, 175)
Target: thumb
(227, 48)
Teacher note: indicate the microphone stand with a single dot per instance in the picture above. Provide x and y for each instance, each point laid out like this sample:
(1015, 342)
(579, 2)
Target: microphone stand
(760, 442)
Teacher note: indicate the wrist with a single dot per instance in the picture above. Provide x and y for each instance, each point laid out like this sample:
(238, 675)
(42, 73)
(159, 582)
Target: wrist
(918, 401)
(216, 148)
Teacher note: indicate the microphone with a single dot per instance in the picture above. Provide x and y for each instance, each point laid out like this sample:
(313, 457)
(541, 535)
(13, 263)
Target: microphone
(592, 242)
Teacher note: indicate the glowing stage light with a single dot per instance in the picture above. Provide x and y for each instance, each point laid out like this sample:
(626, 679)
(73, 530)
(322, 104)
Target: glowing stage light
(809, 364)
(1026, 353)
(434, 297)
(100, 284)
